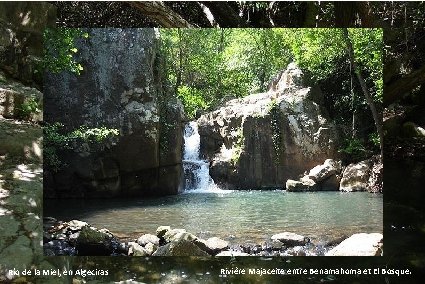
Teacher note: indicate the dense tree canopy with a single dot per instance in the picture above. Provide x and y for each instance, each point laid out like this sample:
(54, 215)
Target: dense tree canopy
(404, 58)
(209, 66)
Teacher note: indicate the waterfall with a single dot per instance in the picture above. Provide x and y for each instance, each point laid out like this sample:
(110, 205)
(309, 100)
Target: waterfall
(196, 171)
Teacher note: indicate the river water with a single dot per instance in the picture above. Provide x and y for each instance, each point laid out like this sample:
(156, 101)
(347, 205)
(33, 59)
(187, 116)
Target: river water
(237, 216)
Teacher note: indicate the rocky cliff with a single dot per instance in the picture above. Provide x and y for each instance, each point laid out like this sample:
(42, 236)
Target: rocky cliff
(264, 139)
(21, 49)
(121, 87)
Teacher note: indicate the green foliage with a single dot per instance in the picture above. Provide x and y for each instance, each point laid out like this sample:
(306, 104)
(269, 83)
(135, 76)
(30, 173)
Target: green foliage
(60, 50)
(316, 50)
(276, 117)
(368, 50)
(56, 139)
(374, 139)
(91, 135)
(354, 149)
(192, 100)
(29, 107)
(214, 65)
(207, 67)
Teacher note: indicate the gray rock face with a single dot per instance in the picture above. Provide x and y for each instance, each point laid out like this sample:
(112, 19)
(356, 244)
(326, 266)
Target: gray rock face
(355, 177)
(120, 87)
(262, 140)
(375, 182)
(21, 38)
(359, 245)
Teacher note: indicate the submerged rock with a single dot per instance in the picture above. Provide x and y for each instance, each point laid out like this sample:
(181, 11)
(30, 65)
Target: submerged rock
(232, 253)
(290, 239)
(359, 245)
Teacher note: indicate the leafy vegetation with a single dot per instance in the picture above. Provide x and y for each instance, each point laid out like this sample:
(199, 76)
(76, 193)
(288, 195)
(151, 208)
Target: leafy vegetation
(207, 67)
(29, 107)
(354, 149)
(60, 50)
(56, 139)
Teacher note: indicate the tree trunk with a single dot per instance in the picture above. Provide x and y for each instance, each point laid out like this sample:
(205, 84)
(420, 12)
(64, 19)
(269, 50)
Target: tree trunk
(180, 68)
(377, 118)
(311, 14)
(163, 15)
(353, 104)
(345, 14)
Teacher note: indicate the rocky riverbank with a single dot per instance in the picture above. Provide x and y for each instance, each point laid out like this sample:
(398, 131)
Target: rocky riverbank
(366, 175)
(80, 238)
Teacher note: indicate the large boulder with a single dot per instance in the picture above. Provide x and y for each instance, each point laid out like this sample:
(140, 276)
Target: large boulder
(121, 87)
(94, 242)
(304, 184)
(148, 238)
(135, 249)
(180, 247)
(324, 177)
(213, 245)
(262, 140)
(174, 235)
(324, 171)
(355, 177)
(359, 245)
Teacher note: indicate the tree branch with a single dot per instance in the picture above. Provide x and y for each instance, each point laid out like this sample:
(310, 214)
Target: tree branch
(376, 117)
(224, 14)
(163, 15)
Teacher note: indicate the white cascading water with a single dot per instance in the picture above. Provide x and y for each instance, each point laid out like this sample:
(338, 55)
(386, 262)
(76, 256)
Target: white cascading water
(196, 171)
